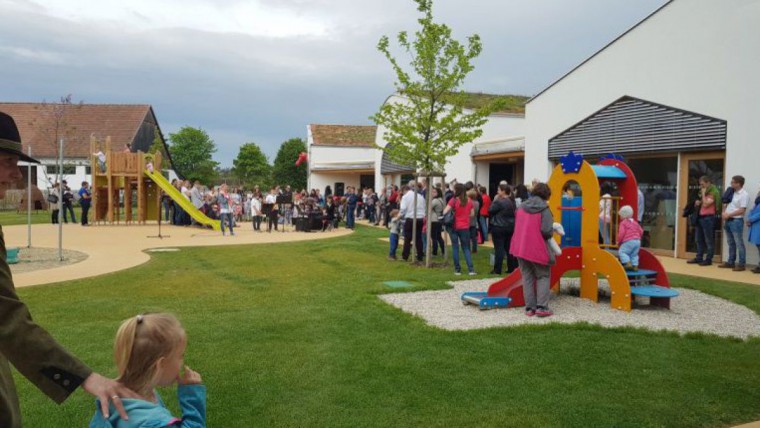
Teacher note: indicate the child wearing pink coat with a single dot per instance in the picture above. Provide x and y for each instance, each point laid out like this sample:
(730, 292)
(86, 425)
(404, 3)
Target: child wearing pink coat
(629, 239)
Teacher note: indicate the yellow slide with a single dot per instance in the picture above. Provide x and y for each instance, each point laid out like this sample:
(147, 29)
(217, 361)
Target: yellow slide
(183, 202)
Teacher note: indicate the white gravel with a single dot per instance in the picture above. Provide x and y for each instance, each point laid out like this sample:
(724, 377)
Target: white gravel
(39, 258)
(692, 311)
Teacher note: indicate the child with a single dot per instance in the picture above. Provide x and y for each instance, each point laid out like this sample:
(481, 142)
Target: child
(148, 351)
(629, 239)
(395, 231)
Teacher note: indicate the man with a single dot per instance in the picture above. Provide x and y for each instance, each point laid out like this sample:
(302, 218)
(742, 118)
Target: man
(273, 214)
(31, 349)
(85, 199)
(68, 203)
(352, 199)
(733, 225)
(708, 205)
(412, 214)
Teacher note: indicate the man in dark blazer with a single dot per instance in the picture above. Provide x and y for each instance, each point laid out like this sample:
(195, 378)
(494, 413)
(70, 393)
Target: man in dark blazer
(23, 343)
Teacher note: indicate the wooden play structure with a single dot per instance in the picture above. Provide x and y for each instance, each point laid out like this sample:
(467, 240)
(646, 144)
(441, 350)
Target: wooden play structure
(584, 252)
(114, 190)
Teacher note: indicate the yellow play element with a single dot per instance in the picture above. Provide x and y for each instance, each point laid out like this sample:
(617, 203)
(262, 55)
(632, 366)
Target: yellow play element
(596, 262)
(183, 202)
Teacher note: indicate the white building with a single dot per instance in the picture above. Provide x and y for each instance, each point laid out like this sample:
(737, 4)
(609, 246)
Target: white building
(497, 155)
(341, 156)
(677, 95)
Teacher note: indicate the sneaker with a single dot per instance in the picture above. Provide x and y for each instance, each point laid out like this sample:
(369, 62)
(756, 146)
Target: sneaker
(543, 312)
(739, 268)
(392, 258)
(756, 270)
(628, 266)
(530, 312)
(705, 263)
(473, 273)
(694, 261)
(726, 265)
(457, 273)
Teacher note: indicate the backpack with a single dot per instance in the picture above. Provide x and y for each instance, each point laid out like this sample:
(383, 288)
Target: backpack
(728, 195)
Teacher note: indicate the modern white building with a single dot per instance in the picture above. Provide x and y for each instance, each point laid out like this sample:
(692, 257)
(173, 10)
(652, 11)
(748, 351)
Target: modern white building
(497, 155)
(677, 96)
(341, 156)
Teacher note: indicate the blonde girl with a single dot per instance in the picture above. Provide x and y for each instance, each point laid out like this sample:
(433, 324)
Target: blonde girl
(149, 351)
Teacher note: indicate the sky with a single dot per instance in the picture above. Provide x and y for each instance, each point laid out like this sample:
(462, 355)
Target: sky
(262, 70)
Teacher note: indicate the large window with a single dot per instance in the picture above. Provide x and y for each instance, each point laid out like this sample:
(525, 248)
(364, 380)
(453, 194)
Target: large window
(658, 180)
(67, 169)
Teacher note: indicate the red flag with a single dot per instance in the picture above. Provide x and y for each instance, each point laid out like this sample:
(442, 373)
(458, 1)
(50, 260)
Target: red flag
(302, 157)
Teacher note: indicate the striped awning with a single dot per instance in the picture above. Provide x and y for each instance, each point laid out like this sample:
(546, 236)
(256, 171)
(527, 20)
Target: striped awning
(631, 125)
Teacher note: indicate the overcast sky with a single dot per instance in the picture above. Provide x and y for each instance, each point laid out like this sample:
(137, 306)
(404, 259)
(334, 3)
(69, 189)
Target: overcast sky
(262, 70)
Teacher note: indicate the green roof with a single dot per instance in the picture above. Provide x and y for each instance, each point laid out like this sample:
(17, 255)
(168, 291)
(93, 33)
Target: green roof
(514, 103)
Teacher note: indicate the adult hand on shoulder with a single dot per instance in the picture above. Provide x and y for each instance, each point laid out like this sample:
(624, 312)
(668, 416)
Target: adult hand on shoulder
(106, 390)
(189, 377)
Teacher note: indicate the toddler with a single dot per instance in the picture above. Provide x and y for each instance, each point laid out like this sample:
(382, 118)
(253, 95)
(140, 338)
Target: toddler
(629, 239)
(395, 226)
(148, 351)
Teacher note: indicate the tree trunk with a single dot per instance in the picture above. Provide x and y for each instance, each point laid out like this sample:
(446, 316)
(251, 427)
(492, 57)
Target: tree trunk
(414, 224)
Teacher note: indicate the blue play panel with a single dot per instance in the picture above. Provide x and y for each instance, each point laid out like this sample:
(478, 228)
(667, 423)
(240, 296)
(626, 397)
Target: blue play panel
(481, 299)
(654, 291)
(609, 172)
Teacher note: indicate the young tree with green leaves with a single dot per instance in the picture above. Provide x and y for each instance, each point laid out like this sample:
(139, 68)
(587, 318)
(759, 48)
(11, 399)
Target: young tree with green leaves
(251, 166)
(432, 124)
(285, 172)
(191, 150)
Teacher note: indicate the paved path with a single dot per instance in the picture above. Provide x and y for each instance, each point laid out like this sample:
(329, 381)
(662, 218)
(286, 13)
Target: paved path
(114, 248)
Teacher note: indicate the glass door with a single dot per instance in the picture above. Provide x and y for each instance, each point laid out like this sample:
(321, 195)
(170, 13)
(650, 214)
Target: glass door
(694, 166)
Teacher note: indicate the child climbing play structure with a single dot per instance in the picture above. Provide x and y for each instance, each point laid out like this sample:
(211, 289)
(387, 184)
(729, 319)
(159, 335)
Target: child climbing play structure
(133, 175)
(594, 260)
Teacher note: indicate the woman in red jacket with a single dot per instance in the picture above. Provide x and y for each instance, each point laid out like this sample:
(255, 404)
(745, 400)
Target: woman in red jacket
(533, 227)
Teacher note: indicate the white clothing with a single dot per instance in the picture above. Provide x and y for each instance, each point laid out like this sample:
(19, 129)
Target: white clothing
(605, 208)
(271, 199)
(255, 206)
(740, 200)
(407, 209)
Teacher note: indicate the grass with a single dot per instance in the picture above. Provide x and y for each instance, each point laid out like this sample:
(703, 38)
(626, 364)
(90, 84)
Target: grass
(294, 335)
(9, 218)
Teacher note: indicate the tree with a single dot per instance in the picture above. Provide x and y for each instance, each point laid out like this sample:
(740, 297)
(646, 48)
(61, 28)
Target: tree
(431, 127)
(252, 166)
(55, 124)
(191, 150)
(285, 171)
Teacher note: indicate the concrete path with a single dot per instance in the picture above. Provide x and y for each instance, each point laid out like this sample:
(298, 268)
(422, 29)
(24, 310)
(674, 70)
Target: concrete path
(114, 248)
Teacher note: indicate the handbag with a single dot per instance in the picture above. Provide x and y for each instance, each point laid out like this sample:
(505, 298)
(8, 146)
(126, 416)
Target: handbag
(52, 198)
(448, 219)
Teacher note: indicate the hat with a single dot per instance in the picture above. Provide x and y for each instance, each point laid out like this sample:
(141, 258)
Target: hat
(10, 140)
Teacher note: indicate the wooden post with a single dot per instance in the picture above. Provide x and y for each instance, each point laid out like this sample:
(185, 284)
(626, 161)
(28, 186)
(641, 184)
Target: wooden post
(109, 175)
(140, 187)
(127, 200)
(96, 215)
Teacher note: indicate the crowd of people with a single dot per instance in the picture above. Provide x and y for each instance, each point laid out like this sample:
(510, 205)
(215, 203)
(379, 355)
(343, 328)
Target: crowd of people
(83, 196)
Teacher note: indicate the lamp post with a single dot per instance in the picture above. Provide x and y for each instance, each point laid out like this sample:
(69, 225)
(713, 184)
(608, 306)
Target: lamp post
(29, 200)
(60, 199)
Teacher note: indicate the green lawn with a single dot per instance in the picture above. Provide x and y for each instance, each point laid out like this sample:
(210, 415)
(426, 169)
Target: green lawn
(9, 218)
(294, 335)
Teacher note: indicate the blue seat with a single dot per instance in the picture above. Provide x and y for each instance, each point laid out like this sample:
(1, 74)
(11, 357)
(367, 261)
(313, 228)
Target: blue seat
(11, 256)
(640, 272)
(653, 291)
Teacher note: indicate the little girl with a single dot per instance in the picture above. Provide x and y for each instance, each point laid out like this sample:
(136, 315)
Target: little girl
(148, 351)
(395, 229)
(629, 239)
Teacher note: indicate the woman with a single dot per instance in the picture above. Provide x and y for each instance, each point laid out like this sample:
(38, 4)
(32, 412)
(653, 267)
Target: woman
(460, 232)
(521, 195)
(484, 216)
(436, 215)
(502, 214)
(226, 205)
(256, 212)
(473, 195)
(533, 227)
(753, 222)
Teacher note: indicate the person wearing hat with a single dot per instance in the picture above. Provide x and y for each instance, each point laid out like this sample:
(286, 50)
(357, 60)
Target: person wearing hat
(23, 343)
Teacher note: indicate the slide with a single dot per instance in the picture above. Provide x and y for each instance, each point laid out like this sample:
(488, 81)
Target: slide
(173, 193)
(504, 293)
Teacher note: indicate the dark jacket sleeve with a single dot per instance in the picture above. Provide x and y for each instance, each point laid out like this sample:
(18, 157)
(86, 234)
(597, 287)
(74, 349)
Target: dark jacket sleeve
(547, 223)
(30, 348)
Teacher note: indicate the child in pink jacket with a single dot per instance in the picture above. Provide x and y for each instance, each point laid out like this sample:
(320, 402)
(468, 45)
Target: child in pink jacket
(629, 239)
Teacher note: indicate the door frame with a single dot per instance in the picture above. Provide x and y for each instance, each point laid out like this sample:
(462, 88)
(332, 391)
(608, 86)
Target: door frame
(683, 194)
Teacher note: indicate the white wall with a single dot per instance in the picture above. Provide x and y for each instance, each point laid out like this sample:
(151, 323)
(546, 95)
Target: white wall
(319, 180)
(697, 55)
(460, 166)
(330, 154)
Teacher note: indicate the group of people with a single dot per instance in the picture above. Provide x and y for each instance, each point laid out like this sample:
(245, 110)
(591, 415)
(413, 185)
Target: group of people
(732, 208)
(68, 200)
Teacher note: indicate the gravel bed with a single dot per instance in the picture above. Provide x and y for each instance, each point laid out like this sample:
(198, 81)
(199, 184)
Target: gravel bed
(36, 258)
(690, 312)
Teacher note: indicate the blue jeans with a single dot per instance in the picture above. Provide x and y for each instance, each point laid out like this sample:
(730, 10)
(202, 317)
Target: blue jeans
(167, 206)
(350, 216)
(228, 218)
(629, 252)
(604, 229)
(734, 228)
(705, 232)
(68, 208)
(461, 237)
(394, 245)
(474, 238)
(484, 228)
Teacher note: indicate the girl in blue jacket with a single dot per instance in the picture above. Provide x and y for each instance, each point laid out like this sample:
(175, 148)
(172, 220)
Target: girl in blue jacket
(753, 221)
(149, 351)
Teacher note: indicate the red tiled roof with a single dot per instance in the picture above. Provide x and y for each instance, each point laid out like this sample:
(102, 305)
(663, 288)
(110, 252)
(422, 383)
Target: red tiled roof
(36, 124)
(343, 135)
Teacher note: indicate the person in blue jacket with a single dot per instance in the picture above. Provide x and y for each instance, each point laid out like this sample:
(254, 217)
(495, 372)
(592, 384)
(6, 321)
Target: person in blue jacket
(753, 222)
(149, 351)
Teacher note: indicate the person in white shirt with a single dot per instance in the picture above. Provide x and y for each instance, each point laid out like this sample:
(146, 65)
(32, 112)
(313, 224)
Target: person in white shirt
(271, 200)
(412, 213)
(733, 225)
(256, 212)
(605, 213)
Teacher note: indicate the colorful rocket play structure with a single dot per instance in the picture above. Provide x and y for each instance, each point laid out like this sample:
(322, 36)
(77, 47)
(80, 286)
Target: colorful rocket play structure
(593, 260)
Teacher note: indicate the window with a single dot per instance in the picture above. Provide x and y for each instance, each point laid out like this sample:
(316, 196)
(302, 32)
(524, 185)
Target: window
(658, 178)
(67, 169)
(87, 170)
